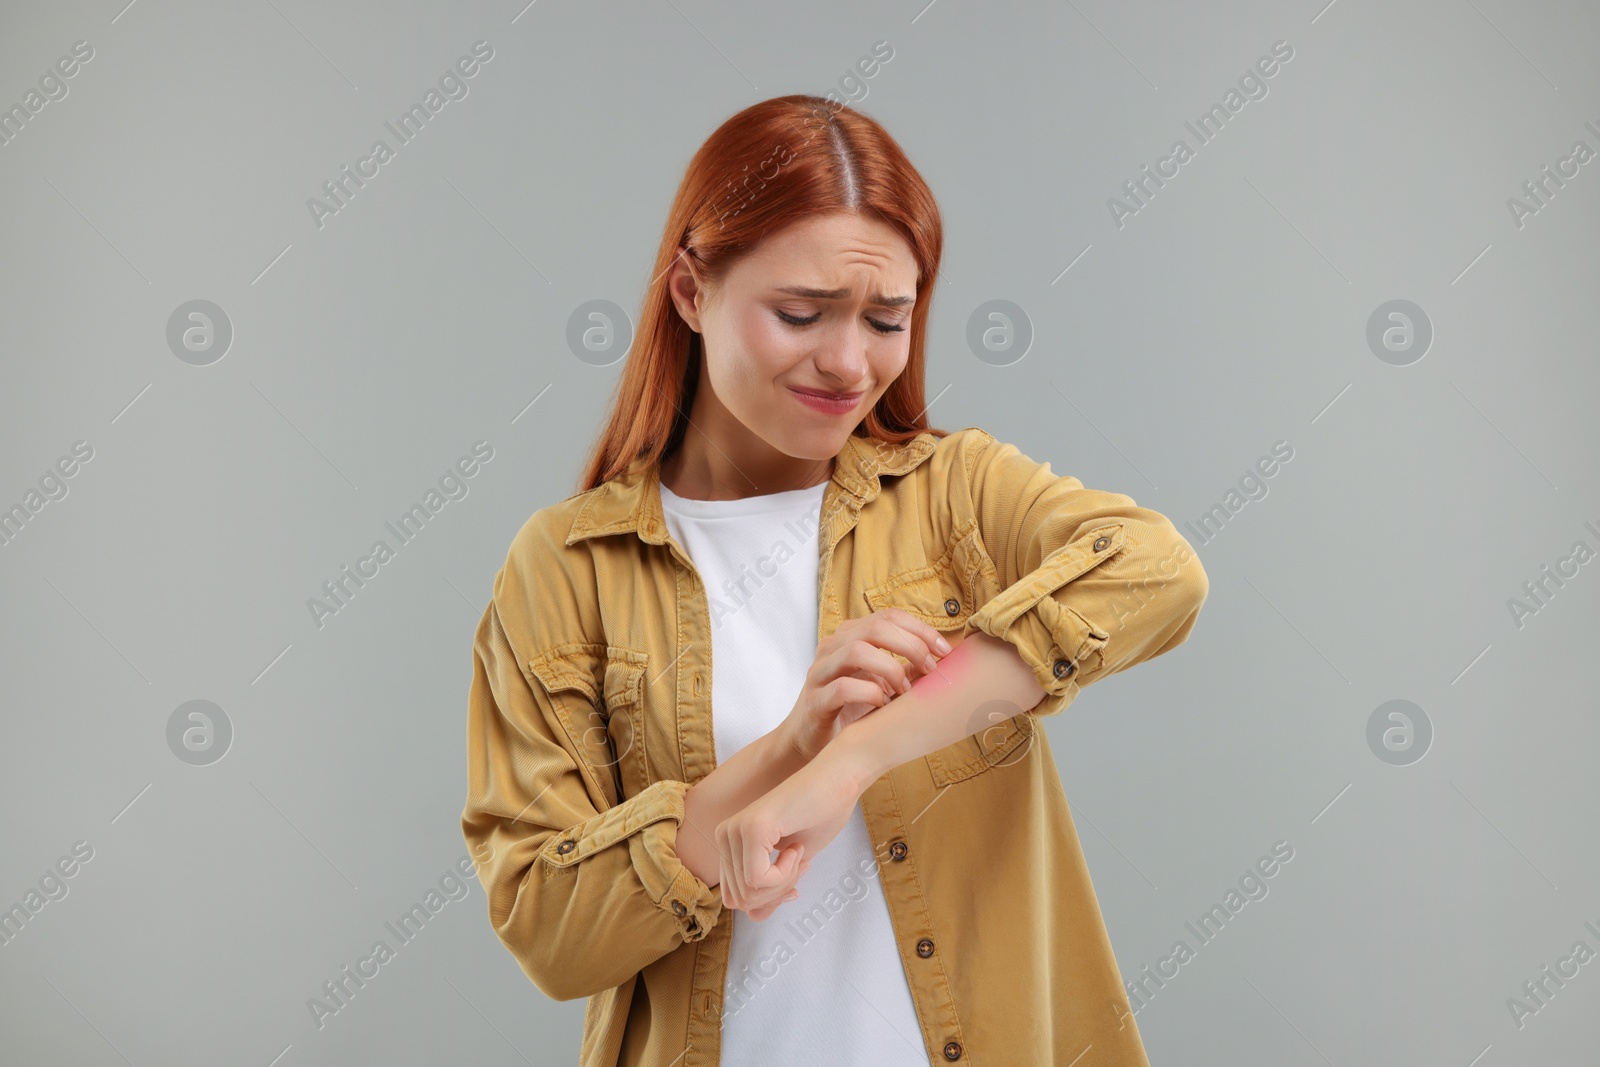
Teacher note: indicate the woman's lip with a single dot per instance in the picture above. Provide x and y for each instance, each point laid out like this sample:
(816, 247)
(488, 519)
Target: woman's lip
(827, 396)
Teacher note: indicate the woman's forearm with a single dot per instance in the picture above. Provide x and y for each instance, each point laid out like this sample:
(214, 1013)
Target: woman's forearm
(745, 776)
(981, 683)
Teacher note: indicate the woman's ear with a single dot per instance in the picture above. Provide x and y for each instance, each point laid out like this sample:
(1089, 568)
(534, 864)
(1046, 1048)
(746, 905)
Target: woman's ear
(684, 286)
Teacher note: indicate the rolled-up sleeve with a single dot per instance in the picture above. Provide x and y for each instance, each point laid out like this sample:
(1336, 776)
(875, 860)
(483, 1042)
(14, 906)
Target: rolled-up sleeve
(582, 897)
(1093, 583)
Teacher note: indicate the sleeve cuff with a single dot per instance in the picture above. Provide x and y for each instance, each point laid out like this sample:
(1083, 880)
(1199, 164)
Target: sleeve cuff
(1060, 645)
(649, 821)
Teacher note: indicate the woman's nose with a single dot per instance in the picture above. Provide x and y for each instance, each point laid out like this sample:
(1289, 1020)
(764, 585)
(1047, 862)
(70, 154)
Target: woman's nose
(843, 357)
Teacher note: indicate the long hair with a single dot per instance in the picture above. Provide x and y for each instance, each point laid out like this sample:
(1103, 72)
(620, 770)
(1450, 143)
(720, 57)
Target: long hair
(773, 164)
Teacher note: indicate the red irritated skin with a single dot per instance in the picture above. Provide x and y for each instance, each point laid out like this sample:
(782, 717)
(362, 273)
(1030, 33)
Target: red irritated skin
(940, 707)
(809, 808)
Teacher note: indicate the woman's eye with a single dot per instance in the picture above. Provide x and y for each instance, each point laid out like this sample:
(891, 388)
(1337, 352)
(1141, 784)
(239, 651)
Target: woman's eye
(881, 327)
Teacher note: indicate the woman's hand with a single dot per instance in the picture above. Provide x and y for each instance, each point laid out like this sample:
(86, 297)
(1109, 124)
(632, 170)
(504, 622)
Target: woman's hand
(853, 674)
(799, 816)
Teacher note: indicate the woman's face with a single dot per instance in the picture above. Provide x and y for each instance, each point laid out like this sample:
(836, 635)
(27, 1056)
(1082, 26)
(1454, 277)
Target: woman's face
(823, 306)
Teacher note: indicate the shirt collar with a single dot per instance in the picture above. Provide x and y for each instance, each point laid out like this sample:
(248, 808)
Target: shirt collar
(631, 502)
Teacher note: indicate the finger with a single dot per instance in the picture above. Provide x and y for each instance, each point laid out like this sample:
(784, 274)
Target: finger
(783, 875)
(881, 663)
(772, 874)
(792, 863)
(865, 656)
(842, 691)
(732, 875)
(901, 632)
(789, 863)
(857, 651)
(755, 865)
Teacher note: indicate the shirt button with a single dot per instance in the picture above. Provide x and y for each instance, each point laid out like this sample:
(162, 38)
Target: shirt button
(952, 1050)
(566, 846)
(898, 850)
(678, 909)
(1063, 668)
(952, 606)
(1100, 543)
(924, 948)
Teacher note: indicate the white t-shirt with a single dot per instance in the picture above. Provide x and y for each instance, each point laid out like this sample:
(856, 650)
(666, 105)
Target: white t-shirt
(820, 979)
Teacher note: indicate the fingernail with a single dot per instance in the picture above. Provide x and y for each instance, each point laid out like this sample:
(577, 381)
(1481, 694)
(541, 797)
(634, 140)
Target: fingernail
(932, 664)
(944, 646)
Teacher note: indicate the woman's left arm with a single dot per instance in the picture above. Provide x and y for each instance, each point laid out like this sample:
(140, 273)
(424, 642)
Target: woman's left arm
(1092, 584)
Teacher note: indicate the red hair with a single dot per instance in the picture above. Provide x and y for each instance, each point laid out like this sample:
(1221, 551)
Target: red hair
(795, 157)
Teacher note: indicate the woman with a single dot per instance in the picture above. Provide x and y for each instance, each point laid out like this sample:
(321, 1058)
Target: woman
(848, 842)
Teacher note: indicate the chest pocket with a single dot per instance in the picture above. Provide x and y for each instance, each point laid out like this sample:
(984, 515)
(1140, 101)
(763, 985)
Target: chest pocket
(622, 696)
(948, 590)
(599, 695)
(944, 594)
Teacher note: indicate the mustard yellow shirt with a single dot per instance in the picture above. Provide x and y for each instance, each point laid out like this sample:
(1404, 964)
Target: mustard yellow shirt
(589, 716)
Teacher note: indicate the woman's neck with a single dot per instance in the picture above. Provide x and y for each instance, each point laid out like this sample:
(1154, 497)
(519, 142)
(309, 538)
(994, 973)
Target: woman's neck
(707, 473)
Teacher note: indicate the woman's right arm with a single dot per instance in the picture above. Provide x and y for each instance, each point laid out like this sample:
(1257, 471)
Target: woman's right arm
(582, 892)
(743, 777)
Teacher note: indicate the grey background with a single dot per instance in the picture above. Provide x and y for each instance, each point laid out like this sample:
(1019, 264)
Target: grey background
(431, 312)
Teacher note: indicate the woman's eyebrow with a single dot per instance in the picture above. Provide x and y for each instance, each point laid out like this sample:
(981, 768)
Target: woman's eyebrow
(877, 299)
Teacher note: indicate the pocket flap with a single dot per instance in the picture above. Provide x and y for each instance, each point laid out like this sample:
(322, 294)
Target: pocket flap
(996, 746)
(624, 677)
(932, 595)
(573, 665)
